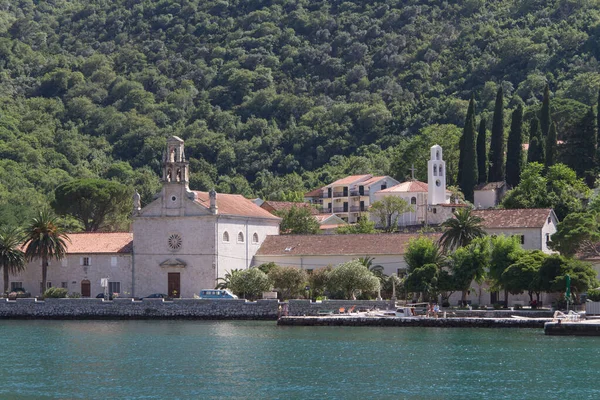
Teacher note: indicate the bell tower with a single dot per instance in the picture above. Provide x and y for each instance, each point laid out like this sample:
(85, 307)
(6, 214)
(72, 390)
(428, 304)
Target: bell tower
(175, 177)
(436, 177)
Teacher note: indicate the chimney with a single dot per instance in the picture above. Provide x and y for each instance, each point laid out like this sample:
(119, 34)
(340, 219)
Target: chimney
(214, 209)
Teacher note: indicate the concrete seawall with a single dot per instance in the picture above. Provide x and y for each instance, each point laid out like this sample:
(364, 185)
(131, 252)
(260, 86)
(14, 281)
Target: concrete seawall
(205, 309)
(414, 322)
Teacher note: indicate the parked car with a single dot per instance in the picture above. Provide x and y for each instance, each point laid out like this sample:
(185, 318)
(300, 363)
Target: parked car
(18, 293)
(217, 294)
(101, 296)
(156, 296)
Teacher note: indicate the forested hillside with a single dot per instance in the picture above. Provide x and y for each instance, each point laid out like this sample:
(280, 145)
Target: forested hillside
(271, 96)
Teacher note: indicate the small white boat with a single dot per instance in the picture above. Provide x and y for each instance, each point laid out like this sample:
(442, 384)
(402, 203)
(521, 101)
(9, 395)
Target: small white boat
(409, 310)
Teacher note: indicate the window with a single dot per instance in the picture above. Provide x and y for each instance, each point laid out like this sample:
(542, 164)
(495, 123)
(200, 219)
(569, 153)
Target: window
(226, 237)
(15, 285)
(453, 210)
(85, 261)
(240, 237)
(435, 170)
(384, 186)
(309, 271)
(441, 170)
(48, 286)
(64, 285)
(413, 200)
(113, 261)
(522, 239)
(114, 287)
(547, 238)
(437, 155)
(255, 238)
(434, 210)
(549, 220)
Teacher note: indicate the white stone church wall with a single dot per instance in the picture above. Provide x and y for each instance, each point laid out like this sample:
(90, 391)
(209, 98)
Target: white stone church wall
(197, 251)
(235, 254)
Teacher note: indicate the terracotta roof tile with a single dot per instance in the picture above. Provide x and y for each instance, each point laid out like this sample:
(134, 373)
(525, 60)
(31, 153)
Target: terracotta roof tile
(272, 206)
(372, 180)
(408, 186)
(350, 179)
(100, 242)
(318, 192)
(515, 218)
(360, 245)
(233, 204)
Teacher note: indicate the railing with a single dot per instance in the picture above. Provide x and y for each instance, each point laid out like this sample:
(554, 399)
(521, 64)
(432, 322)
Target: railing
(325, 210)
(339, 194)
(357, 208)
(358, 193)
(339, 210)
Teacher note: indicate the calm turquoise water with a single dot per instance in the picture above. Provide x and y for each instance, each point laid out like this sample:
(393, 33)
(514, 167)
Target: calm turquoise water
(256, 360)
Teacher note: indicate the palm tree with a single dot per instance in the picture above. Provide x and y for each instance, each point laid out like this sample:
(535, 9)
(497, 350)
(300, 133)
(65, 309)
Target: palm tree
(12, 258)
(377, 270)
(225, 282)
(45, 239)
(461, 230)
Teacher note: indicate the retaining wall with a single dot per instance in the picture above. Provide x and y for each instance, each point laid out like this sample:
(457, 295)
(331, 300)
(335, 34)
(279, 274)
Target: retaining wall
(206, 309)
(413, 322)
(144, 309)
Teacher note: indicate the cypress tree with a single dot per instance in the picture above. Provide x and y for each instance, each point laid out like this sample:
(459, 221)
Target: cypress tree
(469, 156)
(581, 148)
(536, 147)
(545, 119)
(461, 141)
(481, 156)
(551, 146)
(598, 117)
(514, 151)
(496, 156)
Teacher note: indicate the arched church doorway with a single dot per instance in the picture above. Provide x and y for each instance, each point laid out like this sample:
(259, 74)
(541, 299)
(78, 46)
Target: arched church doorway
(86, 290)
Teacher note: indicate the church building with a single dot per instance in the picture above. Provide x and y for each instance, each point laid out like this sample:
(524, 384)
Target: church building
(182, 242)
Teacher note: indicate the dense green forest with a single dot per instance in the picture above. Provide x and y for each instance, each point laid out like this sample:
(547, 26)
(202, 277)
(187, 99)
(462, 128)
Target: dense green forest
(272, 95)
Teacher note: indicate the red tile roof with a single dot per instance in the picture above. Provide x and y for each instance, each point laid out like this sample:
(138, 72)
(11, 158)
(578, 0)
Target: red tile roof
(350, 179)
(234, 204)
(272, 206)
(100, 242)
(359, 245)
(408, 186)
(318, 192)
(516, 218)
(372, 180)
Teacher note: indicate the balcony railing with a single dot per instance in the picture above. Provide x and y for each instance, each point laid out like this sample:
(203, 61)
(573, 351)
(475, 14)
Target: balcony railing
(339, 194)
(357, 193)
(357, 208)
(339, 210)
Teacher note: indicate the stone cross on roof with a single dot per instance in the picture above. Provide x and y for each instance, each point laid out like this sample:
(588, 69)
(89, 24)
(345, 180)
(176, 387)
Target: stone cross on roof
(412, 171)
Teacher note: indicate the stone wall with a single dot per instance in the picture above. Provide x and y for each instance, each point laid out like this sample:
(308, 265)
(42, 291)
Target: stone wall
(207, 309)
(145, 309)
(413, 322)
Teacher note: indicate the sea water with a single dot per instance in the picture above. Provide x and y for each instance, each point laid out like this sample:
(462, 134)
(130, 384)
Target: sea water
(259, 360)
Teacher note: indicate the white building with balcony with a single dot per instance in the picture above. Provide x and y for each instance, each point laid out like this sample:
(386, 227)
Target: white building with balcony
(350, 197)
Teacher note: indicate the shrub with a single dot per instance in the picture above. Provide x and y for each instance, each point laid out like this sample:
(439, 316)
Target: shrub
(593, 294)
(56, 293)
(74, 295)
(497, 306)
(518, 307)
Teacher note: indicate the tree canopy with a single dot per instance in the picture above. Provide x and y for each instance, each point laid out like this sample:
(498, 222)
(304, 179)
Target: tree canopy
(96, 203)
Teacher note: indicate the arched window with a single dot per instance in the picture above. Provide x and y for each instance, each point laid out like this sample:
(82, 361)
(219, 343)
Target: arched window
(437, 155)
(255, 238)
(435, 170)
(441, 171)
(240, 237)
(226, 237)
(413, 200)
